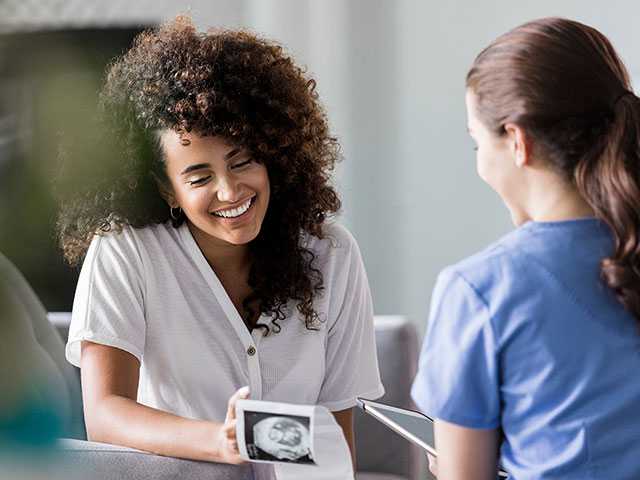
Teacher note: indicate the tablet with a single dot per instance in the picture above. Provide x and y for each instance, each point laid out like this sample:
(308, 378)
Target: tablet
(414, 426)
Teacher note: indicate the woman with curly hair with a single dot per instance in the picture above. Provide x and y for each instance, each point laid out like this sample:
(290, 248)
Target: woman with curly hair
(533, 349)
(208, 260)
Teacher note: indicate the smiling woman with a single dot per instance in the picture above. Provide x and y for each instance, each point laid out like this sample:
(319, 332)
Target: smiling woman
(199, 204)
(176, 87)
(221, 189)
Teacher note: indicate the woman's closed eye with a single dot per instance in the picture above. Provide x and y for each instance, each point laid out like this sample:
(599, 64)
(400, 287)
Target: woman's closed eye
(199, 181)
(244, 163)
(204, 179)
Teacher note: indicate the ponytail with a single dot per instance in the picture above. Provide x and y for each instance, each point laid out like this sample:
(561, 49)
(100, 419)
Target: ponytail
(609, 180)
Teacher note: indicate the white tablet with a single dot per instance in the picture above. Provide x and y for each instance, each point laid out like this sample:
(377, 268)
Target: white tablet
(414, 426)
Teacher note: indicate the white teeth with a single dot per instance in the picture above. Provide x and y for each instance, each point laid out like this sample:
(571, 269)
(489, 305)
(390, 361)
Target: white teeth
(234, 212)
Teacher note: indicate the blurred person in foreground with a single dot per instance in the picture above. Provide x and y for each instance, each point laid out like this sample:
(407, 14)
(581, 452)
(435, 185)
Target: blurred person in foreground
(34, 403)
(200, 209)
(533, 346)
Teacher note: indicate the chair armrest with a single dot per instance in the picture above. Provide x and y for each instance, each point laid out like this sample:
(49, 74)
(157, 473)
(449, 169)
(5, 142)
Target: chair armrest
(102, 461)
(379, 449)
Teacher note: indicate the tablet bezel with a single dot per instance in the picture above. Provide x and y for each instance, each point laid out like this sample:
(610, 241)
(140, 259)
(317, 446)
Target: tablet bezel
(369, 407)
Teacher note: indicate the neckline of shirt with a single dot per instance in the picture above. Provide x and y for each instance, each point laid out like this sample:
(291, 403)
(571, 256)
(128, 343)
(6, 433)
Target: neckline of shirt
(232, 314)
(572, 222)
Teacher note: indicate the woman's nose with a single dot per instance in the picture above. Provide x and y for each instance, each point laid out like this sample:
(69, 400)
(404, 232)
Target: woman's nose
(227, 189)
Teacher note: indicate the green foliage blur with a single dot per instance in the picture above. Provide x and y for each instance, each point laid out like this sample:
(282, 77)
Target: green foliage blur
(49, 84)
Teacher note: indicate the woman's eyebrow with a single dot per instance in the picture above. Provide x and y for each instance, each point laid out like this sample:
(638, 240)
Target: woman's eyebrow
(232, 153)
(196, 166)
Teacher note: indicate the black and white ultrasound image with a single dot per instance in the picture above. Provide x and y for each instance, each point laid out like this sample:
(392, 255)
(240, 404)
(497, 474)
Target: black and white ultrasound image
(279, 438)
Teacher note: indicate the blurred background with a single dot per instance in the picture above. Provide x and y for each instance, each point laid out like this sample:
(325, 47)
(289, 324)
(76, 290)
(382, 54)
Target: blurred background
(390, 73)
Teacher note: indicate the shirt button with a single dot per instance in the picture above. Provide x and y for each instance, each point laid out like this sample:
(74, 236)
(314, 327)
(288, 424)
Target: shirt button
(251, 351)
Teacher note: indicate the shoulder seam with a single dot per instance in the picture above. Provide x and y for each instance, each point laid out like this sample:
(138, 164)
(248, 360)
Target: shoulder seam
(491, 251)
(91, 278)
(142, 277)
(483, 300)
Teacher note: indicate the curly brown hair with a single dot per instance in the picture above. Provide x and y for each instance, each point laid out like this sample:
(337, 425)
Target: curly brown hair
(227, 83)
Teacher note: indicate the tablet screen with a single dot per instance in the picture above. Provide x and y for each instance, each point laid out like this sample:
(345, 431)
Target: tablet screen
(414, 423)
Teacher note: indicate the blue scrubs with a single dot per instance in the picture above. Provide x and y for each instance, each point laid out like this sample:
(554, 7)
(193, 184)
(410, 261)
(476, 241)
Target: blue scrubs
(524, 336)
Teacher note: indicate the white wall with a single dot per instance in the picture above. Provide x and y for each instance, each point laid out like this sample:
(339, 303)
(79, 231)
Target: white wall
(391, 74)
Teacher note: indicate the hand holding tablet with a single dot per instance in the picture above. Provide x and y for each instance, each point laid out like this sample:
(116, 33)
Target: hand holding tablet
(414, 426)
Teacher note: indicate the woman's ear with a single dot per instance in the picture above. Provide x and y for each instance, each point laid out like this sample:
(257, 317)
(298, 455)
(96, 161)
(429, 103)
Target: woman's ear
(520, 144)
(166, 191)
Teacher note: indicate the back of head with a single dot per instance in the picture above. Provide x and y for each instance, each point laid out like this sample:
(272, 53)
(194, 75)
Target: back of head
(563, 83)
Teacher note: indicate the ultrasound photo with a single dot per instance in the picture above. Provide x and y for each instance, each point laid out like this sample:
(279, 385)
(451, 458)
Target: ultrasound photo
(280, 438)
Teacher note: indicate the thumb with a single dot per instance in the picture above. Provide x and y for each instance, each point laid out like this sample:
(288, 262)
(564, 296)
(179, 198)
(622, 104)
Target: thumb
(231, 406)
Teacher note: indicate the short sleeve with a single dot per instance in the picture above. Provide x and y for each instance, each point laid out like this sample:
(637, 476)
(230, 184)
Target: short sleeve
(457, 379)
(351, 358)
(108, 307)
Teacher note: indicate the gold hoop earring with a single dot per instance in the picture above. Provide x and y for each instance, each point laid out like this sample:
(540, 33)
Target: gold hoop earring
(173, 215)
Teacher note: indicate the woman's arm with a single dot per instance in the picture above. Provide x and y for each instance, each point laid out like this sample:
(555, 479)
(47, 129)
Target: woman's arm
(345, 420)
(112, 414)
(465, 453)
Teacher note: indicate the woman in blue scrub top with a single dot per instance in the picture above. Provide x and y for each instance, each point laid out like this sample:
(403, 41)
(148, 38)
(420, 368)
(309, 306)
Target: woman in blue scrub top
(532, 355)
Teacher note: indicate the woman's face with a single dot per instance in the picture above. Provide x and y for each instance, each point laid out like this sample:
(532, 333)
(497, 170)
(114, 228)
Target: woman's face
(496, 161)
(223, 192)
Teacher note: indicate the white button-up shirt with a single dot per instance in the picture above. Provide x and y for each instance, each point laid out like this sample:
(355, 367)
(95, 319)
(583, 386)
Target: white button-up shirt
(151, 292)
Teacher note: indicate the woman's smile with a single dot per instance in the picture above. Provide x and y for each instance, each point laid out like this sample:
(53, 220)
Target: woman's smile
(235, 214)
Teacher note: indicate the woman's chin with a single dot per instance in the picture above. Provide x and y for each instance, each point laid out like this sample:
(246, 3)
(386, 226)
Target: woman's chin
(241, 237)
(518, 218)
(213, 234)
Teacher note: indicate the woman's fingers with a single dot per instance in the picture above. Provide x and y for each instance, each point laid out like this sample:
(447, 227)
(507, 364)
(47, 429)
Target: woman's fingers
(231, 405)
(229, 426)
(230, 429)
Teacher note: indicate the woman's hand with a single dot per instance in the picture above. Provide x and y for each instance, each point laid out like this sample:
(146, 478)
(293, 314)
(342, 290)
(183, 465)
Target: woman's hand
(226, 441)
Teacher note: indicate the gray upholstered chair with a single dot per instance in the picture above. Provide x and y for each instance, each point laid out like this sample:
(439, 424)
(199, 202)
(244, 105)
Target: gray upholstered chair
(382, 455)
(100, 461)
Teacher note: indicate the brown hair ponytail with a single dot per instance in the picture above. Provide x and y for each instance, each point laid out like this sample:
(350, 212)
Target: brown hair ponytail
(611, 185)
(563, 82)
